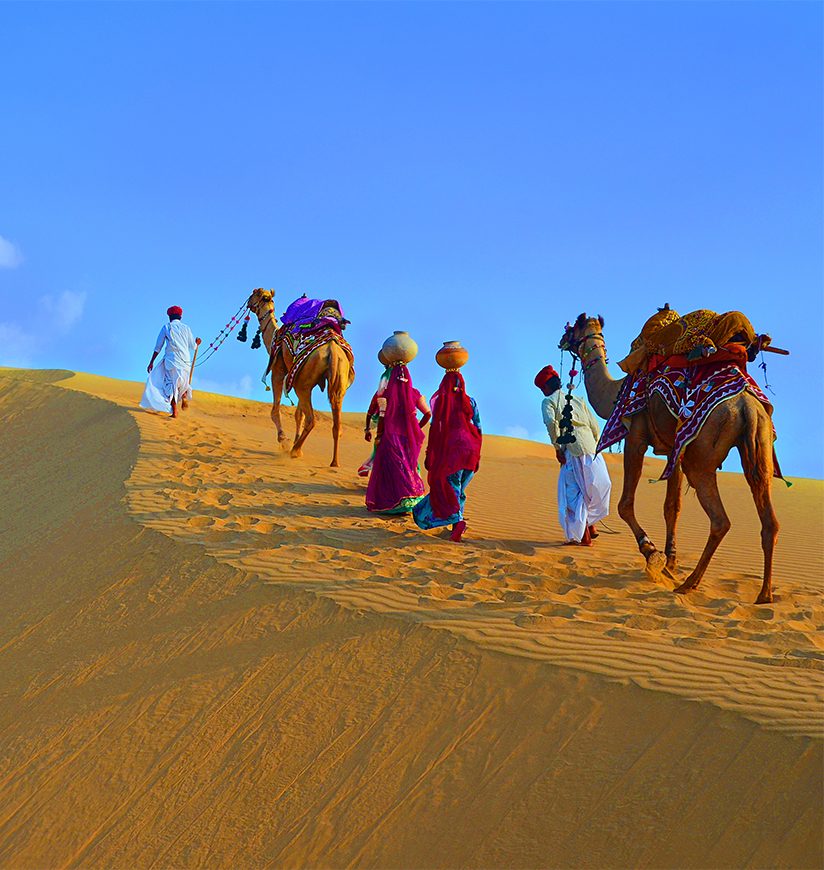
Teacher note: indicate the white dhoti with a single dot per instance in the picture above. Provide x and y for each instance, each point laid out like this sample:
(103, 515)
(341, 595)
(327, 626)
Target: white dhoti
(583, 494)
(166, 382)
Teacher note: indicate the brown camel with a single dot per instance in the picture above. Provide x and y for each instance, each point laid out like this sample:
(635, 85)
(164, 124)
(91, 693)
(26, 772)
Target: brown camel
(741, 421)
(328, 365)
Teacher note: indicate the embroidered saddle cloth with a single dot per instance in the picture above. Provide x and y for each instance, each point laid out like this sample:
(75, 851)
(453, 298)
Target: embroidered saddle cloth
(690, 391)
(308, 324)
(303, 343)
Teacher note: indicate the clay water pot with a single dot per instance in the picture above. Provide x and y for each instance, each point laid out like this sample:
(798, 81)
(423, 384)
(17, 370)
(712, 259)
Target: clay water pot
(382, 358)
(399, 349)
(451, 356)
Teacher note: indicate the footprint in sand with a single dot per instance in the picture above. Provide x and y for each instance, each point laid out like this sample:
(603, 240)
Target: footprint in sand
(200, 522)
(512, 595)
(529, 620)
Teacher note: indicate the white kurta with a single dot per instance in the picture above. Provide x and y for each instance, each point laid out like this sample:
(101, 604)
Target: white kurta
(170, 376)
(583, 482)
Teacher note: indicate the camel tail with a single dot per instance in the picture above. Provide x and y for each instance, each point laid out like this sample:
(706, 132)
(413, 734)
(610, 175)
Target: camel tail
(337, 373)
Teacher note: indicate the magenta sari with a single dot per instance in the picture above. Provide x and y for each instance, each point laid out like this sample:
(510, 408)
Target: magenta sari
(395, 486)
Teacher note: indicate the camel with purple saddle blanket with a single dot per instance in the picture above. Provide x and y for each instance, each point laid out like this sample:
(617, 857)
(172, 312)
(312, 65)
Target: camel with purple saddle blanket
(308, 350)
(687, 395)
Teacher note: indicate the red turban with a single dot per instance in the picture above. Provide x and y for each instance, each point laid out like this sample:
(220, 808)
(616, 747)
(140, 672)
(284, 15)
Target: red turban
(546, 374)
(175, 311)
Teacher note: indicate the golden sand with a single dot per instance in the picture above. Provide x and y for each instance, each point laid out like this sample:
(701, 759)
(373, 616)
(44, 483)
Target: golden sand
(210, 654)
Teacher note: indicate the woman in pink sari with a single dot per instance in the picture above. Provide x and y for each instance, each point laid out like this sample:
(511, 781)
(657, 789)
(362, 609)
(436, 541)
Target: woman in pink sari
(395, 484)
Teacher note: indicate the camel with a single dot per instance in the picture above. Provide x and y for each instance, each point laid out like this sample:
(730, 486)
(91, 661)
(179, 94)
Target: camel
(329, 364)
(741, 421)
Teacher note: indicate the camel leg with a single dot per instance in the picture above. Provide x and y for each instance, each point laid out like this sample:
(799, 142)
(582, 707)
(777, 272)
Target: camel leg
(338, 379)
(278, 376)
(305, 412)
(705, 483)
(672, 510)
(336, 420)
(634, 449)
(757, 462)
(769, 535)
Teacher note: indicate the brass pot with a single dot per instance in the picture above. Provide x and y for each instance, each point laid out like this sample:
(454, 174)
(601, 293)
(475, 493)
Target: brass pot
(399, 349)
(452, 356)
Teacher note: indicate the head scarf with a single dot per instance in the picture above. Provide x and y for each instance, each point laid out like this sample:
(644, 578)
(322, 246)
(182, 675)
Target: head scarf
(174, 311)
(394, 474)
(454, 442)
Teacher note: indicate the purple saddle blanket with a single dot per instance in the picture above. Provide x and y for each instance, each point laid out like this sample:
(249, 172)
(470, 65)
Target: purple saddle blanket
(303, 312)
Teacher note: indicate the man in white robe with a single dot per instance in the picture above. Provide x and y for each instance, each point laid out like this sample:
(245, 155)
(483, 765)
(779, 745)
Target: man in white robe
(168, 387)
(583, 482)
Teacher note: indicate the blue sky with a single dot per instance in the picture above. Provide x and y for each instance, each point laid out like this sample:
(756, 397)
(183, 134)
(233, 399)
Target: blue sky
(473, 171)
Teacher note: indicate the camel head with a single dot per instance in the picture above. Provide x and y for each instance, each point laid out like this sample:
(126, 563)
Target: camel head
(261, 301)
(583, 328)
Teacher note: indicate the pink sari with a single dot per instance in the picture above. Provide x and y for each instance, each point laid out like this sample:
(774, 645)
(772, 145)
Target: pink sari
(395, 486)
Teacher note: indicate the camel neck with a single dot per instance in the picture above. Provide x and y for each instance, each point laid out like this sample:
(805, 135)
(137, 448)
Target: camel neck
(602, 388)
(268, 326)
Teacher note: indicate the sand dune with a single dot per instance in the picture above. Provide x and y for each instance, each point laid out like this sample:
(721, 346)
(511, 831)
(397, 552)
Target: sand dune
(212, 655)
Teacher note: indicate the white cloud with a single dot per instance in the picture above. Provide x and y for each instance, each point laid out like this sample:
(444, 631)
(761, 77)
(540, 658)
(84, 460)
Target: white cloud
(246, 386)
(65, 310)
(10, 256)
(516, 432)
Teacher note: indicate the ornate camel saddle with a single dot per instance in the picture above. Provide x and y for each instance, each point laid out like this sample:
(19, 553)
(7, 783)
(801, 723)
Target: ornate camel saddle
(692, 363)
(306, 325)
(697, 334)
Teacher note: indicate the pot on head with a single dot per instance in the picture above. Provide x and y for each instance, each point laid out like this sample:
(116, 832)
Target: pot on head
(399, 349)
(452, 356)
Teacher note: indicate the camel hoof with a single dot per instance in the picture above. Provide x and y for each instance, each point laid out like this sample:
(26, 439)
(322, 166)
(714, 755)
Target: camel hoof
(296, 454)
(683, 589)
(656, 565)
(334, 464)
(764, 599)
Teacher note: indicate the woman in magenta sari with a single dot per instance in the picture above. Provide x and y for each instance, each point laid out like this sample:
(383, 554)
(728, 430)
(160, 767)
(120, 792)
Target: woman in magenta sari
(395, 485)
(452, 456)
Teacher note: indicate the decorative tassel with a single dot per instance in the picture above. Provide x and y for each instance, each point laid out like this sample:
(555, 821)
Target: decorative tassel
(241, 336)
(256, 340)
(566, 425)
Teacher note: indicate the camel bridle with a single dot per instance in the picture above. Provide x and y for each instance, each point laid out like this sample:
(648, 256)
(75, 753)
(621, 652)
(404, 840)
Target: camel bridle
(575, 346)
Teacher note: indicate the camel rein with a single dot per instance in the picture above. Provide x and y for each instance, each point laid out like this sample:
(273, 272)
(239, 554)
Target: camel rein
(224, 333)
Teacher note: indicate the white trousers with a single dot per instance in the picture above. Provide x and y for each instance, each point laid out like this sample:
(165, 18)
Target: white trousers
(583, 494)
(163, 384)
